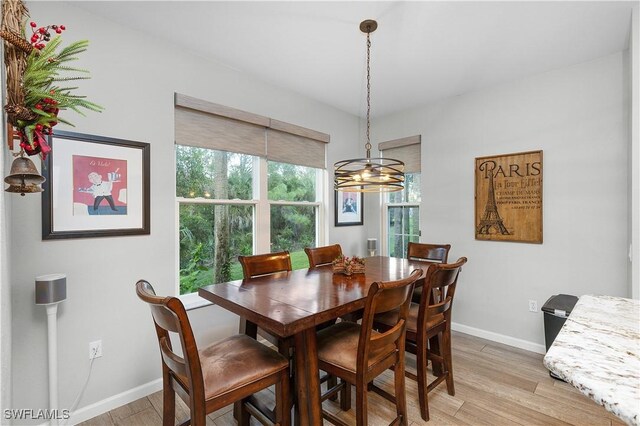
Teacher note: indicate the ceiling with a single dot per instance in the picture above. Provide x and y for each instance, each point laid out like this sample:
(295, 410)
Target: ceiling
(421, 52)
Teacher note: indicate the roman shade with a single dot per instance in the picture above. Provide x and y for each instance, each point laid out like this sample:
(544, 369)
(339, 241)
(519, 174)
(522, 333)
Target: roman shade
(406, 150)
(207, 125)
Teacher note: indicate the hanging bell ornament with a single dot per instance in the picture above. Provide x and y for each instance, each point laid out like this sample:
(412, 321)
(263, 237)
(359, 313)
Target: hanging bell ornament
(24, 177)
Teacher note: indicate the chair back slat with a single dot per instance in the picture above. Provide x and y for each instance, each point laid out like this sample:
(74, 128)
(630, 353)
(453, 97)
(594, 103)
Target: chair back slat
(430, 252)
(176, 363)
(265, 264)
(319, 256)
(390, 336)
(169, 315)
(439, 308)
(389, 299)
(165, 319)
(385, 297)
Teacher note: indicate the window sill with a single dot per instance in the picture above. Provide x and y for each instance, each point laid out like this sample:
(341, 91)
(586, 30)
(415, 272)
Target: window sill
(193, 301)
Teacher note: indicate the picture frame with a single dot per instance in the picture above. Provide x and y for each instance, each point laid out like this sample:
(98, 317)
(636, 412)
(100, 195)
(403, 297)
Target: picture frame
(95, 186)
(348, 208)
(508, 197)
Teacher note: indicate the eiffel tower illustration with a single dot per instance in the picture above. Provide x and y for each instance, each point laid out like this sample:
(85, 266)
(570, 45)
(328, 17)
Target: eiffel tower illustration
(491, 218)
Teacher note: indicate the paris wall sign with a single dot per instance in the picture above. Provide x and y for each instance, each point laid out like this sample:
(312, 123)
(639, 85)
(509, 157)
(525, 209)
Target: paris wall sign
(509, 197)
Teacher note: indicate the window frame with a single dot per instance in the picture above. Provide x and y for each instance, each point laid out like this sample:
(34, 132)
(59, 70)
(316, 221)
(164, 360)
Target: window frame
(385, 220)
(386, 205)
(261, 219)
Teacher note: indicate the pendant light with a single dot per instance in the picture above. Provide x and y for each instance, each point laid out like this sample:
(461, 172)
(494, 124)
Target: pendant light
(369, 174)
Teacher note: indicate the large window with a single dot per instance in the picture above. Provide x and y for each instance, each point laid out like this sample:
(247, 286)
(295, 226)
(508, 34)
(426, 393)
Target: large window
(232, 203)
(220, 211)
(401, 210)
(294, 207)
(215, 208)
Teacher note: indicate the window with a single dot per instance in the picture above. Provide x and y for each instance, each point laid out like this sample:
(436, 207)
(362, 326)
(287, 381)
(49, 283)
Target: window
(294, 204)
(215, 226)
(266, 196)
(401, 210)
(403, 216)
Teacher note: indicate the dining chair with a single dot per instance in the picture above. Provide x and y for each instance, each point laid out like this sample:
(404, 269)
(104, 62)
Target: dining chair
(225, 372)
(320, 256)
(265, 264)
(430, 319)
(357, 354)
(324, 256)
(259, 265)
(427, 252)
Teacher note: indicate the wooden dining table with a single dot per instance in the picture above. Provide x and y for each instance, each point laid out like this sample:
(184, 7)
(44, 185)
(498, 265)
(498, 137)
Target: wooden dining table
(293, 303)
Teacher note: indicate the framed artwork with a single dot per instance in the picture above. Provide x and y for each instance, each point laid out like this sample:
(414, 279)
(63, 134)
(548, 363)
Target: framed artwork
(348, 208)
(508, 197)
(95, 187)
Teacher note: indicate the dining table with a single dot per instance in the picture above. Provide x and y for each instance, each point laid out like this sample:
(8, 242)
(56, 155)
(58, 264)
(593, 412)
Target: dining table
(292, 304)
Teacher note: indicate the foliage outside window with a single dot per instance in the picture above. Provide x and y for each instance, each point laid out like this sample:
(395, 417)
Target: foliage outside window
(293, 225)
(218, 212)
(403, 216)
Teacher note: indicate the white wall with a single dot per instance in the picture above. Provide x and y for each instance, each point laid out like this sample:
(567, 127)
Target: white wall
(577, 116)
(134, 77)
(5, 288)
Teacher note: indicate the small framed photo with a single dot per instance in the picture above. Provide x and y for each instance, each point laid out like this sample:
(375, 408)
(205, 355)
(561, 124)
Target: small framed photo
(348, 208)
(95, 187)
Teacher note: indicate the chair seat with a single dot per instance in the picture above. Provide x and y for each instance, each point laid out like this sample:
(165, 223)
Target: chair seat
(391, 318)
(235, 362)
(338, 345)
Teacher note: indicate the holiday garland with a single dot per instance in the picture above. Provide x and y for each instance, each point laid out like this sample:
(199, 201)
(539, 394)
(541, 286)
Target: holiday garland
(44, 89)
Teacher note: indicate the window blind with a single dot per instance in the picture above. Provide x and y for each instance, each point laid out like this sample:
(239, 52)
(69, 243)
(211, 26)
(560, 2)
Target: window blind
(406, 150)
(207, 125)
(292, 144)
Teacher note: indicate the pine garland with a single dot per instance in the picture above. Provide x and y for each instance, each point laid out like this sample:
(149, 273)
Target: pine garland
(38, 73)
(45, 69)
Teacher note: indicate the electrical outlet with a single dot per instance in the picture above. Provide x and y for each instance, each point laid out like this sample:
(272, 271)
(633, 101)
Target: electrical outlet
(95, 349)
(533, 306)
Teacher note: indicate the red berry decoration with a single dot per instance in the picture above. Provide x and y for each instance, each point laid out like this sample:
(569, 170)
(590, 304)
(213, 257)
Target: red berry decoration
(33, 24)
(62, 27)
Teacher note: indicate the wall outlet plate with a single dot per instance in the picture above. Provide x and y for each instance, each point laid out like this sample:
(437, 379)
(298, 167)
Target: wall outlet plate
(533, 306)
(95, 349)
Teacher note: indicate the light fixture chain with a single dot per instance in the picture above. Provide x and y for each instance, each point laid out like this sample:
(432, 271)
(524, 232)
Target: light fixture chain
(368, 145)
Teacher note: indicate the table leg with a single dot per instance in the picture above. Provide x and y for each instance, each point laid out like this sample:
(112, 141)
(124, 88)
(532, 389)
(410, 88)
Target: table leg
(307, 378)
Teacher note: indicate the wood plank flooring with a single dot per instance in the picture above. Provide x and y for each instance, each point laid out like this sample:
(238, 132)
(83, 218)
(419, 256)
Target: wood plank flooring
(495, 385)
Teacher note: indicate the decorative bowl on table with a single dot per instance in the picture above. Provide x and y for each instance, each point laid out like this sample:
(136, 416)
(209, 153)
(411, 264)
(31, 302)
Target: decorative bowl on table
(348, 265)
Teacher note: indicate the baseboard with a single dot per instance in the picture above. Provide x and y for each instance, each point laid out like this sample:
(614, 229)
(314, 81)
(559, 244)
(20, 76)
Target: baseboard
(115, 401)
(500, 338)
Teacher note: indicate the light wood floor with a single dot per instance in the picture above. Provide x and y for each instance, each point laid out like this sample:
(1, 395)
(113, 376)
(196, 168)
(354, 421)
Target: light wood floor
(495, 385)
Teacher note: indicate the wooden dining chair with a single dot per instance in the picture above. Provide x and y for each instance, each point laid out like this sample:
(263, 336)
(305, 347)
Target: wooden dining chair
(259, 265)
(427, 252)
(265, 264)
(225, 372)
(320, 256)
(357, 354)
(430, 319)
(324, 256)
